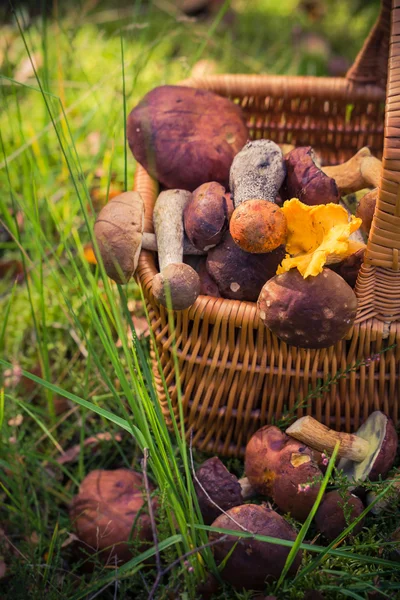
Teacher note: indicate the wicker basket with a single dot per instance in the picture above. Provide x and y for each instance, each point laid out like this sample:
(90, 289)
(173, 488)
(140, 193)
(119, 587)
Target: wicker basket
(235, 375)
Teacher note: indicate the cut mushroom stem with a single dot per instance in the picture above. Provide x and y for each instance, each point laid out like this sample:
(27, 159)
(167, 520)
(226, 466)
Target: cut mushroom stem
(177, 285)
(368, 453)
(361, 171)
(318, 436)
(247, 489)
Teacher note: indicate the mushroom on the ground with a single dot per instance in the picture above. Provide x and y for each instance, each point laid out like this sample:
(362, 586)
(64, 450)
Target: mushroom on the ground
(107, 510)
(120, 237)
(251, 563)
(177, 284)
(185, 137)
(213, 480)
(278, 466)
(257, 171)
(330, 517)
(206, 216)
(315, 312)
(370, 452)
(258, 226)
(240, 275)
(313, 185)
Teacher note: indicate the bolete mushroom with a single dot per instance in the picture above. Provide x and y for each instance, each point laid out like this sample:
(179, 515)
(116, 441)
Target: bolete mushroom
(185, 137)
(257, 171)
(240, 275)
(208, 287)
(108, 512)
(258, 226)
(205, 216)
(120, 237)
(251, 563)
(177, 284)
(277, 466)
(349, 267)
(366, 209)
(330, 518)
(214, 481)
(370, 452)
(313, 185)
(315, 312)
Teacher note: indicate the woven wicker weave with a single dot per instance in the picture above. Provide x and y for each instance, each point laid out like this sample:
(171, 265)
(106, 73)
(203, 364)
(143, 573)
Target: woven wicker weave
(235, 375)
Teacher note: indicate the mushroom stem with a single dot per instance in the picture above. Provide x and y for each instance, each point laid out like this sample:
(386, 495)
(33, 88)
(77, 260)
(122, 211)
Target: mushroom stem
(318, 436)
(361, 171)
(247, 489)
(177, 285)
(386, 500)
(149, 242)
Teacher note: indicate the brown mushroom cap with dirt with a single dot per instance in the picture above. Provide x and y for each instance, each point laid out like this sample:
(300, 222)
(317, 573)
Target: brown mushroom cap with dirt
(369, 453)
(240, 275)
(185, 137)
(315, 312)
(108, 511)
(252, 563)
(335, 506)
(283, 469)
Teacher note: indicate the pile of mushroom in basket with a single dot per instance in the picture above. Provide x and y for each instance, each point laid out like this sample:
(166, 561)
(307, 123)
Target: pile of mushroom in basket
(240, 219)
(257, 222)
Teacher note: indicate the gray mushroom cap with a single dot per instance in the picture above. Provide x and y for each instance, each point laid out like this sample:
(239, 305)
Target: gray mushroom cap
(257, 171)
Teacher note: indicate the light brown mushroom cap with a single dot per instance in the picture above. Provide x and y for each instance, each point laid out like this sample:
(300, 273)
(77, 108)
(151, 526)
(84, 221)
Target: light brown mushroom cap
(177, 286)
(118, 230)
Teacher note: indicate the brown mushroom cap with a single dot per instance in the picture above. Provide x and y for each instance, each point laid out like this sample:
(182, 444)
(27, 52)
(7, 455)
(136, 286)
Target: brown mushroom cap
(177, 285)
(349, 267)
(208, 287)
(330, 518)
(252, 563)
(280, 467)
(315, 312)
(185, 137)
(366, 208)
(240, 275)
(105, 510)
(306, 181)
(206, 216)
(258, 226)
(222, 487)
(378, 430)
(118, 230)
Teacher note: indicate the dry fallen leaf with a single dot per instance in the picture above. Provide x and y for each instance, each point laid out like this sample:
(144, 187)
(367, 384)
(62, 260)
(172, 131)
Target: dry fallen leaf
(25, 69)
(73, 453)
(70, 540)
(16, 421)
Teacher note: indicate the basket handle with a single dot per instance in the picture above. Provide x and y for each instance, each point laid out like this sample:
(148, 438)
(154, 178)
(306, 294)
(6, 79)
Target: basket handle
(378, 283)
(371, 64)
